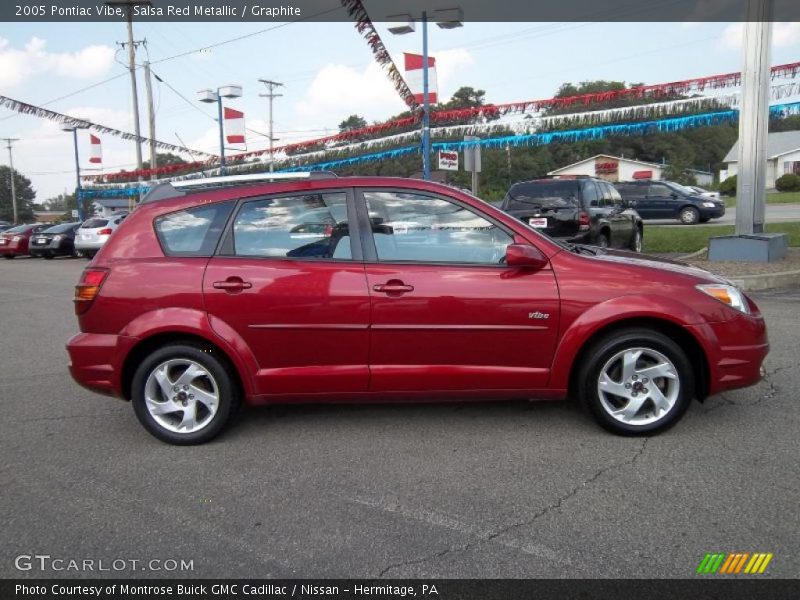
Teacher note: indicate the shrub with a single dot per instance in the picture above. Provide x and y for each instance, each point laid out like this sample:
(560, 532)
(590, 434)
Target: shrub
(728, 187)
(788, 183)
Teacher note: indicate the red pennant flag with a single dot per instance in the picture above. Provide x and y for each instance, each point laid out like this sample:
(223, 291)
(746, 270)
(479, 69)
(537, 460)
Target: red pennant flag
(96, 153)
(414, 77)
(234, 126)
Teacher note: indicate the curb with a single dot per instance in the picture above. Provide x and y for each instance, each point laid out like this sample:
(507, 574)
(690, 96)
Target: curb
(700, 252)
(767, 281)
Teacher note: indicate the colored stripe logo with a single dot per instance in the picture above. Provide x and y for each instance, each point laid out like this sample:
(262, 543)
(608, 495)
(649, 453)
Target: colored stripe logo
(734, 563)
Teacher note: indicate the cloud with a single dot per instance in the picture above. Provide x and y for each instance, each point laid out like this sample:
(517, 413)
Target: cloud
(18, 65)
(783, 35)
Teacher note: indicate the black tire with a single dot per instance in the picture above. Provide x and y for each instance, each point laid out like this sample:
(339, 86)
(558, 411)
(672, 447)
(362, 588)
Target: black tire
(602, 351)
(228, 392)
(48, 255)
(636, 241)
(602, 240)
(8, 256)
(689, 215)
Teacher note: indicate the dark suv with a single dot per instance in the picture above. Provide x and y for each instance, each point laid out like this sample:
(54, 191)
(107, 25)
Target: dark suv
(670, 200)
(582, 210)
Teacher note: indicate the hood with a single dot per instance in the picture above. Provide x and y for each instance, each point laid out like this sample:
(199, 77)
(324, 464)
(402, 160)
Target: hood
(658, 263)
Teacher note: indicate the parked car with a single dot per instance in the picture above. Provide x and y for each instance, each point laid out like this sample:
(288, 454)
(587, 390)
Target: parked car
(15, 241)
(670, 200)
(704, 192)
(58, 240)
(94, 232)
(207, 297)
(583, 210)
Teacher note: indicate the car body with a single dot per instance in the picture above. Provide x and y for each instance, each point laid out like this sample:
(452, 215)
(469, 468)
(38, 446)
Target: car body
(95, 232)
(582, 210)
(416, 291)
(704, 192)
(58, 240)
(670, 200)
(15, 241)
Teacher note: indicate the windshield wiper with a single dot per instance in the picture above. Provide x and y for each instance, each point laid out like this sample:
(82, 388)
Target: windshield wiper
(581, 249)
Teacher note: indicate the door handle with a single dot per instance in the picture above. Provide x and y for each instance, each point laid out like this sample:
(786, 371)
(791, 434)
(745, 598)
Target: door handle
(392, 287)
(232, 285)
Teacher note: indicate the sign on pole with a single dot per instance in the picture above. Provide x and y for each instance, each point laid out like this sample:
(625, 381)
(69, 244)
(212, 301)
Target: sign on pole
(74, 214)
(448, 160)
(472, 160)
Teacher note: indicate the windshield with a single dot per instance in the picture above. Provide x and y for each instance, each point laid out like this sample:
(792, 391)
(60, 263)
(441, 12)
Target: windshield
(59, 228)
(551, 193)
(680, 188)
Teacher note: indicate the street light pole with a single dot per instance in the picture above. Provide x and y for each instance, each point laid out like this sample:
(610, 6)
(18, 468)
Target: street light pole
(221, 135)
(208, 96)
(426, 118)
(78, 203)
(271, 85)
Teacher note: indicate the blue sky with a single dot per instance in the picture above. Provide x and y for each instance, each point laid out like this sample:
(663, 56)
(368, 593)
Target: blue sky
(328, 73)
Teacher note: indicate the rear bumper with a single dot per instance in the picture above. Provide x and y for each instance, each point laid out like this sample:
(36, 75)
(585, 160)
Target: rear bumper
(13, 250)
(96, 361)
(737, 354)
(91, 245)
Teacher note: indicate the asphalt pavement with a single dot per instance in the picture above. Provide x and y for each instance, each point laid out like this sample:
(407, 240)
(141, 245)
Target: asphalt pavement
(775, 213)
(511, 489)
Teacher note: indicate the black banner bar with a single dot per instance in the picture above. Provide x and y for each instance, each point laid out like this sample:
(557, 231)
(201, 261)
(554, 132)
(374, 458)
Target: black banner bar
(278, 11)
(701, 588)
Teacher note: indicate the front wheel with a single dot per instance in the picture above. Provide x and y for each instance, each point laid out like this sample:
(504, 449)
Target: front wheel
(184, 394)
(636, 382)
(689, 215)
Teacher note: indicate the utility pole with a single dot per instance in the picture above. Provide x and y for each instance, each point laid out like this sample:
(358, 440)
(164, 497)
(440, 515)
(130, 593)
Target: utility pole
(151, 117)
(271, 85)
(9, 141)
(132, 45)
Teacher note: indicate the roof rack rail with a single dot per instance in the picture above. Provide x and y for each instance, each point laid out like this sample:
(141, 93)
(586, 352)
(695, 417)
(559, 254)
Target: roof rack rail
(173, 189)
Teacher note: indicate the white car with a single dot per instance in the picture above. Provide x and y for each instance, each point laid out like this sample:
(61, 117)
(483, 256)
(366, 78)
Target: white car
(704, 192)
(94, 232)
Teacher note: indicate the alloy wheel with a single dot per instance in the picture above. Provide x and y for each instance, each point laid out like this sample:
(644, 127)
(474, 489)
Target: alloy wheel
(638, 386)
(181, 395)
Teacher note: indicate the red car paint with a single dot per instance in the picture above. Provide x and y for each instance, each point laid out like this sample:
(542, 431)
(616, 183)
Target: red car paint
(16, 244)
(316, 330)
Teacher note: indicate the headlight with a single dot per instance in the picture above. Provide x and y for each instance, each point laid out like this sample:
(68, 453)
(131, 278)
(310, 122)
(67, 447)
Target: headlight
(727, 294)
(709, 204)
(16, 238)
(57, 238)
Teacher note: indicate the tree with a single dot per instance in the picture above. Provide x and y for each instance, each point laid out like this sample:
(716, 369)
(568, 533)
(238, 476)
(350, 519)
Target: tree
(165, 159)
(352, 122)
(65, 202)
(465, 97)
(24, 193)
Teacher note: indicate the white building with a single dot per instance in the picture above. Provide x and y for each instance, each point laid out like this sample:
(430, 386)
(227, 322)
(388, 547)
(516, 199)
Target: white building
(783, 156)
(612, 168)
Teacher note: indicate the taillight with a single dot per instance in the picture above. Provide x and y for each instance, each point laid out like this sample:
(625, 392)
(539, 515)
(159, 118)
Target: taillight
(106, 231)
(328, 231)
(88, 288)
(583, 221)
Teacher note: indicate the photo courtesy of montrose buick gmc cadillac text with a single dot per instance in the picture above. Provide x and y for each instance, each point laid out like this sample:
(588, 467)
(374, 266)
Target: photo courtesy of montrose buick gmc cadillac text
(314, 288)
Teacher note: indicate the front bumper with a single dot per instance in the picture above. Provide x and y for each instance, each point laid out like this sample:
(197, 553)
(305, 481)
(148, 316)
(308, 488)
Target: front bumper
(736, 357)
(712, 213)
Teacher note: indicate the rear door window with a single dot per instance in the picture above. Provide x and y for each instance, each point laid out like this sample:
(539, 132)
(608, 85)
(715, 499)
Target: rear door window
(303, 226)
(194, 231)
(591, 194)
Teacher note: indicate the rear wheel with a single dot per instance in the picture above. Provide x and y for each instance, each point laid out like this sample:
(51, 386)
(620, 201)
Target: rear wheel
(636, 242)
(183, 394)
(602, 240)
(8, 256)
(636, 382)
(48, 255)
(689, 215)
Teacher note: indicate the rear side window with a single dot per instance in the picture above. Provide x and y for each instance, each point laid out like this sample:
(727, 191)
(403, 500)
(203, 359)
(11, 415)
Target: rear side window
(632, 190)
(194, 231)
(94, 223)
(552, 193)
(591, 194)
(305, 226)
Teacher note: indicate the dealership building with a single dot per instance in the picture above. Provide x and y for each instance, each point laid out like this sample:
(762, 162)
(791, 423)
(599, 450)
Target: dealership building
(616, 168)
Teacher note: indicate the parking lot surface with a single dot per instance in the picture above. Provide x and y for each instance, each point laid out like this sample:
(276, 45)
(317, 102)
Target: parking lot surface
(513, 489)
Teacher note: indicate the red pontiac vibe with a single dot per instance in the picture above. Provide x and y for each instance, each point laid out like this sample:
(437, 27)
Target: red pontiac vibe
(325, 289)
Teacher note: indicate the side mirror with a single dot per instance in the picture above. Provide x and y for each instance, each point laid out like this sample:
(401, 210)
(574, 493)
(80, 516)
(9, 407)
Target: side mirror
(525, 256)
